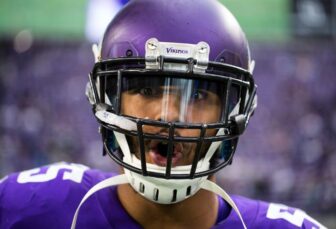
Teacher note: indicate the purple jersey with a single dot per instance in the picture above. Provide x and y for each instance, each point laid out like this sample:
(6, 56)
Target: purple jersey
(47, 197)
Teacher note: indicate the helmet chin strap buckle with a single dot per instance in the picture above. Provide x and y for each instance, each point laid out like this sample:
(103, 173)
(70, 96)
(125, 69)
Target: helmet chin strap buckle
(198, 53)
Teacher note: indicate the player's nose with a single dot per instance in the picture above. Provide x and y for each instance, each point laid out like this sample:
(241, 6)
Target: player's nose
(170, 108)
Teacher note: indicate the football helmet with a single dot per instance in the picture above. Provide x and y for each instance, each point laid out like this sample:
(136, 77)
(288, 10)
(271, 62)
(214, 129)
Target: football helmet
(172, 90)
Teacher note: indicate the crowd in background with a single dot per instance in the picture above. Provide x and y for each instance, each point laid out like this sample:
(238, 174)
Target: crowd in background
(287, 154)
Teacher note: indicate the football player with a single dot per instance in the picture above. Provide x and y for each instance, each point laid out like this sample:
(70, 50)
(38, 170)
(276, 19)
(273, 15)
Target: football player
(172, 90)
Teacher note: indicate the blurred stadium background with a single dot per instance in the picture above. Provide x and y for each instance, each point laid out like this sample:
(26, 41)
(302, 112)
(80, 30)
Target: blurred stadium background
(288, 153)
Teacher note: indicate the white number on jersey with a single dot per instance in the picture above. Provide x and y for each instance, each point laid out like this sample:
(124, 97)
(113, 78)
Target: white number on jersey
(280, 211)
(71, 171)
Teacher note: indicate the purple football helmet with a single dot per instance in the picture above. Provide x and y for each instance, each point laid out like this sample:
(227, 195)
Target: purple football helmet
(171, 78)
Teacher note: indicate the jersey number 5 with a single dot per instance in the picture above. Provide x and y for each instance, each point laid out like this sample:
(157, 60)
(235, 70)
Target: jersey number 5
(297, 218)
(71, 171)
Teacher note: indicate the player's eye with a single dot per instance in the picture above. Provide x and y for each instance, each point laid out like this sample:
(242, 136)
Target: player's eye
(199, 95)
(149, 91)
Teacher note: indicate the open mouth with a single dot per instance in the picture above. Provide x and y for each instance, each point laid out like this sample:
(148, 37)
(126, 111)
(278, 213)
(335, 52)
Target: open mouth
(159, 151)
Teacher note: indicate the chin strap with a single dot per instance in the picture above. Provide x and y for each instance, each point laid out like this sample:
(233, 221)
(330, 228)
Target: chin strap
(122, 179)
(112, 181)
(213, 187)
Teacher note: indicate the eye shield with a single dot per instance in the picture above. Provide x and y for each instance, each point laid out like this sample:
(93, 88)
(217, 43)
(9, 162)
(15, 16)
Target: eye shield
(185, 100)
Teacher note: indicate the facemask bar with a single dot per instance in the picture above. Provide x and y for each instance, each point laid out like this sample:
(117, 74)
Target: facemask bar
(171, 139)
(233, 126)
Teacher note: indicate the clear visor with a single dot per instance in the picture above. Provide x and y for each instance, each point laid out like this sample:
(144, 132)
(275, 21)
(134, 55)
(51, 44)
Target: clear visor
(173, 99)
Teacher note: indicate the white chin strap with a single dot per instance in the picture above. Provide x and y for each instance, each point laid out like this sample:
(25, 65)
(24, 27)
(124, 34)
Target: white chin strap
(122, 179)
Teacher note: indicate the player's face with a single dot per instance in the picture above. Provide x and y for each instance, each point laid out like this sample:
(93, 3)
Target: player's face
(171, 100)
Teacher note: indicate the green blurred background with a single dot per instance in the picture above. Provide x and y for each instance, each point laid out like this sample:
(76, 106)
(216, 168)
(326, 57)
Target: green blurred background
(54, 19)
